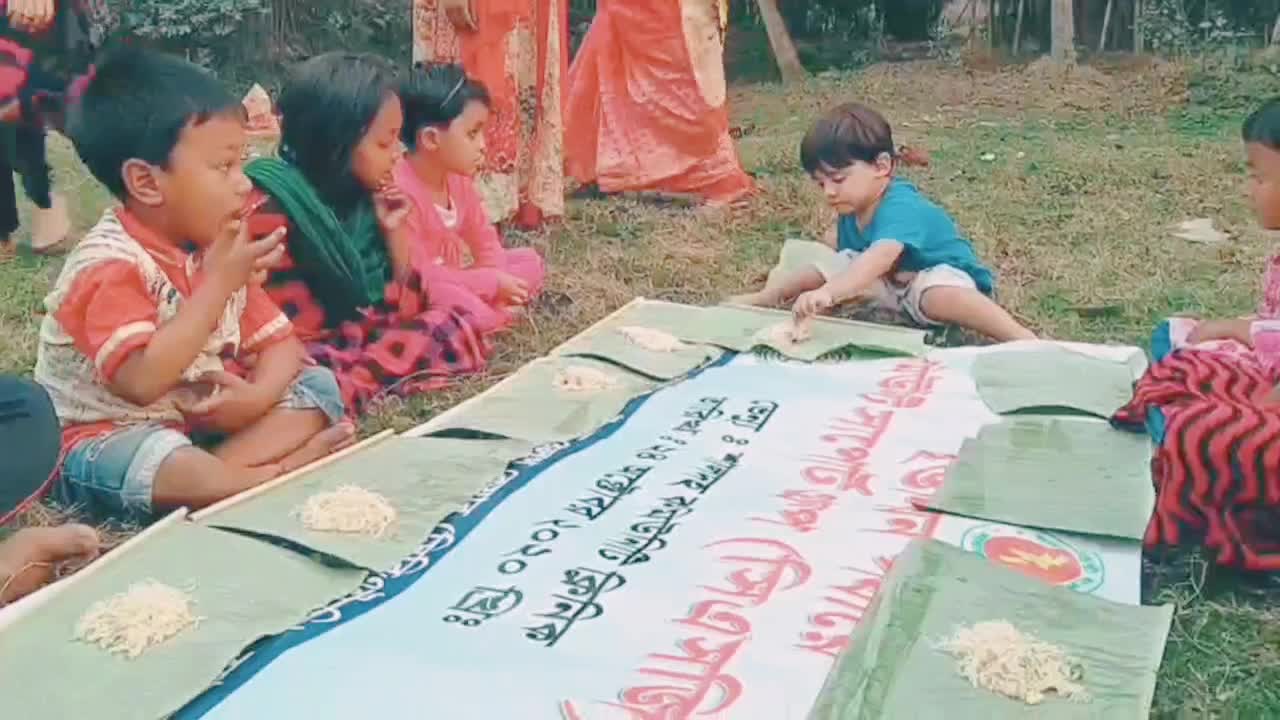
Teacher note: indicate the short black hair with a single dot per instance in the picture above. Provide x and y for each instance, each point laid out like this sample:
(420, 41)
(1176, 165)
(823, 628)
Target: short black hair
(1263, 126)
(326, 106)
(844, 135)
(135, 106)
(434, 95)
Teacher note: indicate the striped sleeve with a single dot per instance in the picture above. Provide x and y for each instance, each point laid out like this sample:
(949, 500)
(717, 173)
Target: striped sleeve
(108, 314)
(262, 324)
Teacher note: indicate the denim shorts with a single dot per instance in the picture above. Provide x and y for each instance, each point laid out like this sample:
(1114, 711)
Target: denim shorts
(114, 474)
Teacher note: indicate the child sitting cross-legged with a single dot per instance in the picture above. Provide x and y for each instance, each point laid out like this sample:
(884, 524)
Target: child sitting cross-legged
(445, 114)
(156, 331)
(1211, 401)
(1254, 340)
(893, 247)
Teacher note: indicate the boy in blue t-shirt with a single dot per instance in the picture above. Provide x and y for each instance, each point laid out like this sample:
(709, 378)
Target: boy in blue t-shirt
(894, 247)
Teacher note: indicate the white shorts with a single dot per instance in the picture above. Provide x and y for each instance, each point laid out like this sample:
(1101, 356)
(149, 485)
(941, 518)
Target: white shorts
(904, 296)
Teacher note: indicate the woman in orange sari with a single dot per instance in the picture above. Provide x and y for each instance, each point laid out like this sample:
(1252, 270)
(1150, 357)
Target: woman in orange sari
(519, 50)
(647, 102)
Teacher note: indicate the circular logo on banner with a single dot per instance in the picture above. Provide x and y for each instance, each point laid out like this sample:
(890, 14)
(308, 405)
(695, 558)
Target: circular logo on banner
(1037, 553)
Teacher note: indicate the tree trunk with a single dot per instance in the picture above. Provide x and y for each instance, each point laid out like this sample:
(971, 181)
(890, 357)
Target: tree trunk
(1139, 34)
(283, 26)
(1106, 27)
(1063, 47)
(992, 30)
(1017, 27)
(1275, 32)
(973, 24)
(784, 49)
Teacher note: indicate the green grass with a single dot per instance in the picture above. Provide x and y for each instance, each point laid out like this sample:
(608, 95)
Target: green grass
(1073, 212)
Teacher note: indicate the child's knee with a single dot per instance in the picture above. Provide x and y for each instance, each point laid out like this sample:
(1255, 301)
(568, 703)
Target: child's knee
(801, 254)
(191, 477)
(527, 261)
(116, 474)
(316, 388)
(931, 293)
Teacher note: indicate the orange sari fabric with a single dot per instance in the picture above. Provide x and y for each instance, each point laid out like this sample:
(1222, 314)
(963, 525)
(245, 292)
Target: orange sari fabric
(646, 108)
(520, 52)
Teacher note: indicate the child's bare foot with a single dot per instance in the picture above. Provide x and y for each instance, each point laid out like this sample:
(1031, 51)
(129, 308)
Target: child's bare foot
(29, 558)
(8, 250)
(51, 228)
(325, 442)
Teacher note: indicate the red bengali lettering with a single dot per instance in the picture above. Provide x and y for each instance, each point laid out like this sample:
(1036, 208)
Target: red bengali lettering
(695, 682)
(836, 618)
(758, 588)
(820, 644)
(852, 607)
(803, 521)
(845, 468)
(805, 512)
(809, 499)
(845, 609)
(866, 427)
(699, 680)
(883, 564)
(842, 456)
(908, 385)
(855, 478)
(931, 456)
(705, 615)
(925, 481)
(909, 520)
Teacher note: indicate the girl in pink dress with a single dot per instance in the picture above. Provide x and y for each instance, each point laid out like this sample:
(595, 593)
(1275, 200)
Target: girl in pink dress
(1255, 338)
(444, 129)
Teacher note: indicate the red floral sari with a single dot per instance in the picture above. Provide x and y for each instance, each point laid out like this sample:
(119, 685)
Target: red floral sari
(520, 53)
(646, 108)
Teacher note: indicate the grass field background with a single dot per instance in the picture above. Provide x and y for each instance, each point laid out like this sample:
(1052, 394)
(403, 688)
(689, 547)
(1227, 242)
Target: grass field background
(1068, 185)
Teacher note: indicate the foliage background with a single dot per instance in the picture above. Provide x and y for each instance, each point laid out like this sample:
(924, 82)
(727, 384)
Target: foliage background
(255, 40)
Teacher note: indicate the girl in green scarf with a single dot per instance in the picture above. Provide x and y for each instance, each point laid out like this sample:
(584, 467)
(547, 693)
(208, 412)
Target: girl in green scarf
(349, 284)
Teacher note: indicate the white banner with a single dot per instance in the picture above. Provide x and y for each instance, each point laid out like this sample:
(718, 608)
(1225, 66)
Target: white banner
(709, 558)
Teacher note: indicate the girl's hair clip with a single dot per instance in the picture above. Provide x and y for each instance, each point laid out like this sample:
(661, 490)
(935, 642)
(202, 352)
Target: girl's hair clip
(452, 93)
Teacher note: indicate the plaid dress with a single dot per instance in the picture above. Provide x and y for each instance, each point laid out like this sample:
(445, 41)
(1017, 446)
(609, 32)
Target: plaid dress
(404, 345)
